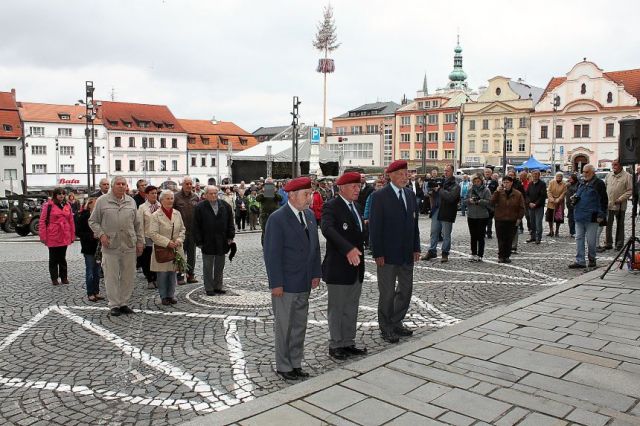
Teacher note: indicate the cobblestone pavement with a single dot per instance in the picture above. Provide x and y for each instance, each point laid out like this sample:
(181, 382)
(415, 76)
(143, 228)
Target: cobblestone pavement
(64, 360)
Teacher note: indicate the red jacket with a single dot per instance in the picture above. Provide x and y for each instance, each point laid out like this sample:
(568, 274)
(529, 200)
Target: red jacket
(60, 230)
(316, 205)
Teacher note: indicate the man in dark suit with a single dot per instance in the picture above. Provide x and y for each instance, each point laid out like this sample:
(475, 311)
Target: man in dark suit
(416, 188)
(365, 191)
(292, 260)
(213, 231)
(395, 244)
(343, 265)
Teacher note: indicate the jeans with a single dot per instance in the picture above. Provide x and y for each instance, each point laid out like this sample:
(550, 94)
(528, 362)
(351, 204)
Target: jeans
(477, 228)
(437, 227)
(490, 224)
(58, 262)
(166, 284)
(588, 231)
(463, 206)
(536, 216)
(92, 274)
(618, 216)
(572, 222)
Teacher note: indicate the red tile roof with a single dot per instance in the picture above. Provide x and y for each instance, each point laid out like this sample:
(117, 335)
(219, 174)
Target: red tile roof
(134, 117)
(630, 79)
(51, 113)
(199, 131)
(9, 116)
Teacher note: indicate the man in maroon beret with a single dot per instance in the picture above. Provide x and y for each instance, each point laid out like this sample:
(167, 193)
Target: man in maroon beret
(292, 260)
(395, 244)
(343, 265)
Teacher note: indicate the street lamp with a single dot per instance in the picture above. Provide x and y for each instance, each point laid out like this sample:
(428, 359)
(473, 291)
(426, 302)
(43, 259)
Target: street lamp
(57, 162)
(504, 146)
(24, 147)
(294, 138)
(556, 104)
(91, 111)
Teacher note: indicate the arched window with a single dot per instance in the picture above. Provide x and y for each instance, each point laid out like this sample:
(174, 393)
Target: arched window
(609, 97)
(498, 91)
(583, 88)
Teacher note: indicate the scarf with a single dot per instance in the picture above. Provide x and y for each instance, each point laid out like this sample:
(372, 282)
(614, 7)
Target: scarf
(154, 207)
(168, 212)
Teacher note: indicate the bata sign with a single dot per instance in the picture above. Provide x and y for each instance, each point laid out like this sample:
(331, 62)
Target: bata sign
(64, 181)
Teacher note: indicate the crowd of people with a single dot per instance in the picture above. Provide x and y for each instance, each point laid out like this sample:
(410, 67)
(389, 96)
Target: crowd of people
(159, 231)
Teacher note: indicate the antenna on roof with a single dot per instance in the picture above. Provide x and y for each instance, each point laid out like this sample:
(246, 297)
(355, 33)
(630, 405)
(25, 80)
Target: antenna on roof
(113, 93)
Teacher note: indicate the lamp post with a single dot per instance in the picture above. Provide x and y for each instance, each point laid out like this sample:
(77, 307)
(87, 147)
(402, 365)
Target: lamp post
(218, 163)
(23, 138)
(57, 162)
(269, 159)
(504, 146)
(556, 104)
(91, 111)
(424, 142)
(294, 138)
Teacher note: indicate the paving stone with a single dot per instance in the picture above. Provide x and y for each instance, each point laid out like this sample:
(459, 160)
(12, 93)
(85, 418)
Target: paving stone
(413, 419)
(491, 368)
(472, 405)
(434, 354)
(583, 342)
(470, 347)
(284, 414)
(606, 330)
(539, 333)
(473, 334)
(433, 374)
(534, 403)
(510, 341)
(428, 392)
(497, 325)
(394, 381)
(581, 303)
(588, 418)
(535, 361)
(483, 388)
(621, 349)
(606, 378)
(580, 315)
(579, 356)
(456, 419)
(371, 412)
(335, 398)
(537, 419)
(512, 417)
(326, 416)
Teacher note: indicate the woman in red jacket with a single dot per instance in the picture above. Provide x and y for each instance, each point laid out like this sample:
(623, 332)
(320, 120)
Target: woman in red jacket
(57, 231)
(316, 202)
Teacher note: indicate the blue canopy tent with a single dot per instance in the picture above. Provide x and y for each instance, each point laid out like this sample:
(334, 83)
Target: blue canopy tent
(531, 164)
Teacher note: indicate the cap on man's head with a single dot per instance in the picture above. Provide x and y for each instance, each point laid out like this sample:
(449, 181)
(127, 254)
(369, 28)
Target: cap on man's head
(297, 184)
(396, 165)
(349, 177)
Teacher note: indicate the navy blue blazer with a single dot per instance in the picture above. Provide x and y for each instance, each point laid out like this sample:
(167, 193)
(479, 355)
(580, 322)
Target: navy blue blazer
(292, 260)
(393, 234)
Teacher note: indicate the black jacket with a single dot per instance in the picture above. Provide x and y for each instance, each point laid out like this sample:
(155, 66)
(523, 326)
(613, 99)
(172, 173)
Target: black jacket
(362, 197)
(212, 232)
(536, 193)
(419, 192)
(340, 229)
(88, 242)
(449, 198)
(139, 199)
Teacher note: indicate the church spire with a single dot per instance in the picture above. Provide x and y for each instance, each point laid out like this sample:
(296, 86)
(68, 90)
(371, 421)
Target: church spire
(457, 77)
(425, 89)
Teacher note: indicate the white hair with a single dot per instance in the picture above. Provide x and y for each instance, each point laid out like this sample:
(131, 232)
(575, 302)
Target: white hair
(590, 167)
(187, 178)
(115, 179)
(208, 187)
(164, 195)
(559, 174)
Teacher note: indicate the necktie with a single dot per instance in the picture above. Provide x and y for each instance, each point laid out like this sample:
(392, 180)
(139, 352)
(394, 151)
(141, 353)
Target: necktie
(404, 206)
(306, 230)
(355, 216)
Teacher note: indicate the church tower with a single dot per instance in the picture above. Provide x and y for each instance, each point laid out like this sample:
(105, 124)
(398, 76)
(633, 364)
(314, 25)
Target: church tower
(457, 77)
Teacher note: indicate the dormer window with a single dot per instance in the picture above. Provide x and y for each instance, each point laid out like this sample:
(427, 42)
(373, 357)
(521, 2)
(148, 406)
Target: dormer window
(609, 97)
(205, 141)
(113, 122)
(169, 125)
(224, 141)
(143, 124)
(243, 141)
(7, 127)
(63, 116)
(498, 91)
(127, 123)
(191, 139)
(583, 89)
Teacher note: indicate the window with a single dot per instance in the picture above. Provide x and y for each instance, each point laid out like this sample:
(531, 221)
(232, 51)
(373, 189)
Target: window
(38, 150)
(10, 174)
(191, 139)
(341, 130)
(427, 104)
(163, 165)
(419, 119)
(95, 133)
(67, 168)
(522, 123)
(521, 145)
(117, 142)
(509, 145)
(497, 123)
(145, 143)
(194, 161)
(485, 124)
(132, 165)
(581, 131)
(509, 123)
(609, 97)
(448, 154)
(472, 146)
(213, 161)
(497, 145)
(132, 142)
(485, 145)
(498, 91)
(118, 165)
(96, 151)
(36, 131)
(435, 104)
(174, 165)
(203, 161)
(205, 141)
(583, 88)
(150, 166)
(9, 151)
(418, 137)
(143, 124)
(127, 123)
(449, 136)
(174, 143)
(608, 130)
(372, 128)
(559, 131)
(405, 120)
(419, 154)
(152, 143)
(405, 137)
(449, 118)
(472, 124)
(432, 154)
(420, 105)
(64, 132)
(38, 168)
(224, 141)
(7, 127)
(544, 132)
(432, 137)
(356, 130)
(66, 150)
(433, 119)
(404, 155)
(163, 142)
(96, 168)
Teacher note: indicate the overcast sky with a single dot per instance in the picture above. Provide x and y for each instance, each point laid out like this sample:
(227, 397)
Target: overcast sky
(243, 60)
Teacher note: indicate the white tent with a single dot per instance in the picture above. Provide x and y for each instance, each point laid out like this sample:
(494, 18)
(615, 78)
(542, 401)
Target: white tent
(281, 152)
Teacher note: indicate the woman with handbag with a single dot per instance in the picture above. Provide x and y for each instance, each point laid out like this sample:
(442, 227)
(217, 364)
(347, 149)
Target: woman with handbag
(555, 203)
(167, 232)
(145, 211)
(478, 209)
(57, 231)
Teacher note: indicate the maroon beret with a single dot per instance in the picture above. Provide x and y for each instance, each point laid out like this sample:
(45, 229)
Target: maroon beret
(396, 165)
(298, 184)
(349, 177)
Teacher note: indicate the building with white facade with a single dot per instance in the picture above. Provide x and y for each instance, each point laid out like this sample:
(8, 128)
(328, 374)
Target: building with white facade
(56, 146)
(11, 141)
(145, 142)
(210, 143)
(583, 121)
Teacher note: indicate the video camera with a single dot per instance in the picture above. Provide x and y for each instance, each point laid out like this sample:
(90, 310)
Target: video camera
(434, 182)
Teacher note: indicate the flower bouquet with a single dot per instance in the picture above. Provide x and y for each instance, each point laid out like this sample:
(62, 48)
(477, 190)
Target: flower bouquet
(180, 262)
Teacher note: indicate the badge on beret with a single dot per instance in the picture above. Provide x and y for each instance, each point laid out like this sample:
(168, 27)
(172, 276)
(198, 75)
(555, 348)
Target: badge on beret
(345, 226)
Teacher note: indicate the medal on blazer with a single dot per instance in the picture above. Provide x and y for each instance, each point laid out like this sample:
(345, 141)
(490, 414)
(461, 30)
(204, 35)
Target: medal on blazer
(345, 226)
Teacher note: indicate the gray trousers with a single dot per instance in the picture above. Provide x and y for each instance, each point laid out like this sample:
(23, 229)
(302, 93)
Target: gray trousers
(394, 300)
(290, 326)
(618, 217)
(342, 313)
(212, 268)
(189, 247)
(119, 267)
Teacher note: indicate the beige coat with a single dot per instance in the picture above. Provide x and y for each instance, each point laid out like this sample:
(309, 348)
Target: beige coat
(619, 188)
(119, 221)
(160, 233)
(144, 214)
(555, 193)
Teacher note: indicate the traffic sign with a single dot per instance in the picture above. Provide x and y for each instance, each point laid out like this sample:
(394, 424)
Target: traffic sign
(315, 135)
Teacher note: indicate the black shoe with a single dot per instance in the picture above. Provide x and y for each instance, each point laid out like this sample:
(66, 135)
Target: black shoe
(500, 260)
(115, 312)
(288, 375)
(390, 337)
(576, 266)
(531, 240)
(537, 241)
(300, 373)
(220, 291)
(609, 247)
(338, 353)
(429, 256)
(592, 263)
(352, 350)
(489, 236)
(601, 249)
(126, 310)
(506, 260)
(403, 331)
(210, 293)
(445, 258)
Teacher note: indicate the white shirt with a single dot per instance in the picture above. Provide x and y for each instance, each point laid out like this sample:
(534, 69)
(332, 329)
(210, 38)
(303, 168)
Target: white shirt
(296, 211)
(350, 203)
(397, 191)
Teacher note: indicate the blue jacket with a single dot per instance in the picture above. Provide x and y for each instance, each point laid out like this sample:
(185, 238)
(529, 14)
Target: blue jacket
(367, 208)
(292, 260)
(394, 235)
(593, 201)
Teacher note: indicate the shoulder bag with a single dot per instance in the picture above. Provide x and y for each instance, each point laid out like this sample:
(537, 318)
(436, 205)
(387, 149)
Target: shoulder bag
(165, 254)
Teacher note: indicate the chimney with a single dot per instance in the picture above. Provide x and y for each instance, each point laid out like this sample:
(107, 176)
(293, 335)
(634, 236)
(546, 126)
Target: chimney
(213, 120)
(13, 94)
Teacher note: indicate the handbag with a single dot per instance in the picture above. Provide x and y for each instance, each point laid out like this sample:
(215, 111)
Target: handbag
(165, 254)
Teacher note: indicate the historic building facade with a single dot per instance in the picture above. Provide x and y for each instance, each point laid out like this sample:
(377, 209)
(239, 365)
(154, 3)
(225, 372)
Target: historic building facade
(11, 140)
(579, 114)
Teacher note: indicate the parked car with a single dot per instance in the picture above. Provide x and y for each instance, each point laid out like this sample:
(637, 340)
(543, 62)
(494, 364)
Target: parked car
(24, 214)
